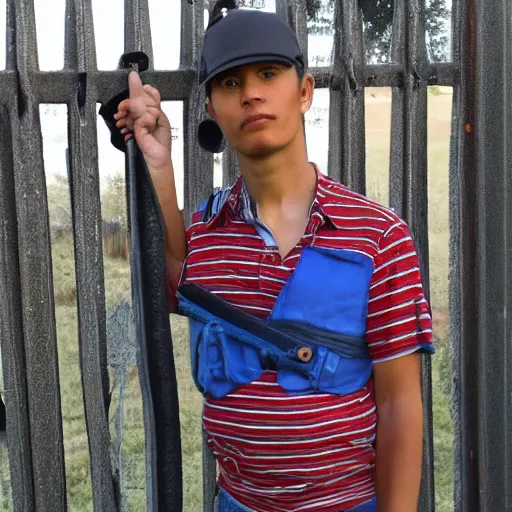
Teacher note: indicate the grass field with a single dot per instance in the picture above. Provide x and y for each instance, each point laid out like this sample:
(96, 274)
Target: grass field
(117, 277)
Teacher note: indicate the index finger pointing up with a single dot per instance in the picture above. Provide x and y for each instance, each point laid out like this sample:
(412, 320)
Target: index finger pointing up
(135, 85)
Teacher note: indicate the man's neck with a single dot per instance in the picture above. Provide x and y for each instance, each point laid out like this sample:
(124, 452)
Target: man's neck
(281, 177)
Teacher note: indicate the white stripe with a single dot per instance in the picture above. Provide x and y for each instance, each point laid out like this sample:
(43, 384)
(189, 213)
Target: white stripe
(290, 397)
(301, 470)
(217, 247)
(374, 206)
(400, 274)
(340, 498)
(392, 227)
(273, 279)
(214, 234)
(358, 206)
(398, 355)
(236, 262)
(263, 383)
(243, 292)
(400, 338)
(298, 441)
(394, 324)
(399, 290)
(254, 307)
(280, 457)
(303, 412)
(394, 308)
(394, 244)
(348, 238)
(394, 260)
(293, 427)
(360, 217)
(229, 276)
(359, 228)
(216, 262)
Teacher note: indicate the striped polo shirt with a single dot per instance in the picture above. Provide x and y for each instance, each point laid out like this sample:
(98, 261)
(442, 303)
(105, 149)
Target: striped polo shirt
(281, 452)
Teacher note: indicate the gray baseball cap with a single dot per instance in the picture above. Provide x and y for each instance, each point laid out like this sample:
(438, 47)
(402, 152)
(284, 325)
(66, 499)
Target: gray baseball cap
(236, 38)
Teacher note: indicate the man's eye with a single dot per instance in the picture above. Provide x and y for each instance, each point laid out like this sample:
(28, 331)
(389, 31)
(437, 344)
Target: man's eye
(229, 82)
(268, 74)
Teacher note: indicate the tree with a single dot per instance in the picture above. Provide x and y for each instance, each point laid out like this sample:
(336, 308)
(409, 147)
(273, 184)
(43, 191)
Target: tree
(113, 199)
(377, 25)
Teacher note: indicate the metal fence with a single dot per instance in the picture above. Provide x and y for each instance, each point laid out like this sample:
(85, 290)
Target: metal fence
(480, 211)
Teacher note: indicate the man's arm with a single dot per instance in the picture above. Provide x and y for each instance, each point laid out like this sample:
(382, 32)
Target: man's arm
(399, 433)
(399, 328)
(141, 115)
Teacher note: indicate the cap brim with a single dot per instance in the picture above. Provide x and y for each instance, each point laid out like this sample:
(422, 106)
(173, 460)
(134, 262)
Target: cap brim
(250, 59)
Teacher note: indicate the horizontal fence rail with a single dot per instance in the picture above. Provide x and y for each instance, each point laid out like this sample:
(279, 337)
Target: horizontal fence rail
(480, 216)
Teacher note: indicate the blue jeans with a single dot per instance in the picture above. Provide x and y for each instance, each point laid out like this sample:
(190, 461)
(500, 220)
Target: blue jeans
(225, 503)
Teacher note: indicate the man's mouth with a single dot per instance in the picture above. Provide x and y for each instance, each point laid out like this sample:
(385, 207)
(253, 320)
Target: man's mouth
(256, 119)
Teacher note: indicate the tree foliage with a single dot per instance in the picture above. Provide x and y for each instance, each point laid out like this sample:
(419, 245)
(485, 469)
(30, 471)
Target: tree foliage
(377, 23)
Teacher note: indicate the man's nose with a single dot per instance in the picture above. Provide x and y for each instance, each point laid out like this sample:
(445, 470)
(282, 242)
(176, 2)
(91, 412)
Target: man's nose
(251, 92)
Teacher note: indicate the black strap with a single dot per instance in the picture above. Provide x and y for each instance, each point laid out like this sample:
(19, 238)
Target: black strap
(150, 303)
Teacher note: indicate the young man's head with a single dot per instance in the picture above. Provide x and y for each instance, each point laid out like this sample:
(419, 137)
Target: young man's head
(256, 83)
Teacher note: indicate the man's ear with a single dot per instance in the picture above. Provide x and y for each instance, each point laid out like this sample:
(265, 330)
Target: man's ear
(307, 89)
(209, 109)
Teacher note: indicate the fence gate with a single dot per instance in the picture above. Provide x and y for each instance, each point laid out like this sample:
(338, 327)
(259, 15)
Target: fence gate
(480, 73)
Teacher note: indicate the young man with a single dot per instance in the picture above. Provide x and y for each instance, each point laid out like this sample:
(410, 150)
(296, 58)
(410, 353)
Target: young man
(306, 255)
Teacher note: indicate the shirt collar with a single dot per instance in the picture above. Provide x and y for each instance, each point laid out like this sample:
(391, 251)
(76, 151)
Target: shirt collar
(239, 205)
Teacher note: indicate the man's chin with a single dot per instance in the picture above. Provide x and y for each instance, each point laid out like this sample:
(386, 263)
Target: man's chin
(260, 149)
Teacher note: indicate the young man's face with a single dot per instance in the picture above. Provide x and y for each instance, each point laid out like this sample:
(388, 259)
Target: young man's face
(259, 107)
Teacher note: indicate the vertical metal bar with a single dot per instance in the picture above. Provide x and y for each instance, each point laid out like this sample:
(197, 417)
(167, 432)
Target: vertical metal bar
(198, 174)
(198, 164)
(36, 273)
(11, 334)
(80, 55)
(482, 287)
(230, 167)
(295, 14)
(459, 160)
(137, 28)
(408, 181)
(347, 152)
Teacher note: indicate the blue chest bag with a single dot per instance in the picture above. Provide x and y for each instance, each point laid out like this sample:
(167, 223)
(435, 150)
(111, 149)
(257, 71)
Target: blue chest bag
(314, 338)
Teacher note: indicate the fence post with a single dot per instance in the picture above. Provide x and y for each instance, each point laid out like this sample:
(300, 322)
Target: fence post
(482, 268)
(36, 270)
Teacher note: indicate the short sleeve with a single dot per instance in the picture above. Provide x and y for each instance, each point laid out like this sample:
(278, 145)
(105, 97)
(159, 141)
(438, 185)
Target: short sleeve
(399, 320)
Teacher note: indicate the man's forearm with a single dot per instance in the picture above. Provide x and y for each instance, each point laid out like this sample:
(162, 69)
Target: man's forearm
(399, 454)
(165, 187)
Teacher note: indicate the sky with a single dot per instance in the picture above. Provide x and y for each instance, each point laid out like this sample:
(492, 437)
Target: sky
(108, 26)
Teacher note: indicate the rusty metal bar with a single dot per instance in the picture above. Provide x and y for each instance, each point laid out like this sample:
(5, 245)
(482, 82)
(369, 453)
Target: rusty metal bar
(36, 271)
(408, 181)
(347, 133)
(80, 55)
(481, 176)
(11, 334)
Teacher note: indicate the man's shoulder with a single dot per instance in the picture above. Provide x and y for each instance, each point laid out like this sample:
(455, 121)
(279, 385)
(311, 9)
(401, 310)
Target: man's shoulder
(336, 195)
(211, 206)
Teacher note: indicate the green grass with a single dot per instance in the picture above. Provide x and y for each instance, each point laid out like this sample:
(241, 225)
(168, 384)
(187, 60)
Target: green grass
(117, 279)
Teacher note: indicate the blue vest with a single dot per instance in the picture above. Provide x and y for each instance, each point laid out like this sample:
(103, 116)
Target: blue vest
(314, 337)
